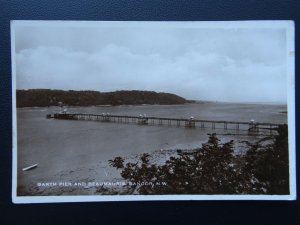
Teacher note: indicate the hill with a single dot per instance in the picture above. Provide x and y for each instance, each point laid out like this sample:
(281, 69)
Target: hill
(48, 97)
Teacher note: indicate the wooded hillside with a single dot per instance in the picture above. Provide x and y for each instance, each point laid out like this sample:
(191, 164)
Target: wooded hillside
(48, 97)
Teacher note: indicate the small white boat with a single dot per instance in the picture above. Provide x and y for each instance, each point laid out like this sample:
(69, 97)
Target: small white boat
(30, 167)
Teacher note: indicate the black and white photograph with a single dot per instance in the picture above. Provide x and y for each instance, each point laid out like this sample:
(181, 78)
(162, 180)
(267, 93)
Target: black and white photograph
(131, 110)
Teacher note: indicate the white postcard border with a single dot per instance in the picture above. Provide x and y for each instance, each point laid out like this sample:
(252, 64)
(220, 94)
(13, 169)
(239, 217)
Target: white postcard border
(290, 57)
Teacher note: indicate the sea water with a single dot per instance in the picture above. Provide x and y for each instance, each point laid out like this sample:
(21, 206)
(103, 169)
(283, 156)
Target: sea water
(66, 145)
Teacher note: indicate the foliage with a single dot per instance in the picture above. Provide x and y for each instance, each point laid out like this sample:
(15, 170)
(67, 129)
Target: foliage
(215, 169)
(118, 162)
(267, 165)
(47, 97)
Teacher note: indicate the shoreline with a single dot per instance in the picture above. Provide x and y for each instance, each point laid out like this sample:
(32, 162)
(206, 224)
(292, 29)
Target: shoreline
(188, 103)
(59, 183)
(71, 182)
(70, 106)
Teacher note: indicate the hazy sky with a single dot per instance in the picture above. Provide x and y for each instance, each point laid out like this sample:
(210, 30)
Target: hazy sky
(218, 64)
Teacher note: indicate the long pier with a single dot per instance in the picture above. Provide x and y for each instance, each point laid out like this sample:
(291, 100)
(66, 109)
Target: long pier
(251, 126)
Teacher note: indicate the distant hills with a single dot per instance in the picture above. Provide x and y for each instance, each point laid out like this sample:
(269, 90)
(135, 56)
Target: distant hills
(48, 97)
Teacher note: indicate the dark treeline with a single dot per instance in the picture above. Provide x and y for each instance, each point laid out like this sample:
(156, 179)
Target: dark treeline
(48, 97)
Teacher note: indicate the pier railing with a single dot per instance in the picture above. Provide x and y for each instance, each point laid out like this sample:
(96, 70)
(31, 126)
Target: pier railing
(188, 123)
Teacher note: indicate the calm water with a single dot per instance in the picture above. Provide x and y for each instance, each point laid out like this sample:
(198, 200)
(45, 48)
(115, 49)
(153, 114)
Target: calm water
(61, 145)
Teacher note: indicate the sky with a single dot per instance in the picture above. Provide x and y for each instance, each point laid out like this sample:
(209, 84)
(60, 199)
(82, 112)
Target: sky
(212, 63)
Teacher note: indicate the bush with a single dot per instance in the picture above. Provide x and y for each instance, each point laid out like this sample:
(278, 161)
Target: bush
(214, 169)
(268, 165)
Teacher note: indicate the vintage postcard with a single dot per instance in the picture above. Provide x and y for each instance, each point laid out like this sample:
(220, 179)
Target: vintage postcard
(127, 111)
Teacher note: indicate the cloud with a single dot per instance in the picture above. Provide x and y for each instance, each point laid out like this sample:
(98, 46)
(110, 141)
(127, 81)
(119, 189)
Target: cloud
(232, 65)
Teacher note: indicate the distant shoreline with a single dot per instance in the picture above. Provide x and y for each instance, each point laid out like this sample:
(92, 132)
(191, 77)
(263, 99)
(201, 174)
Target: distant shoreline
(86, 106)
(72, 98)
(187, 103)
(49, 97)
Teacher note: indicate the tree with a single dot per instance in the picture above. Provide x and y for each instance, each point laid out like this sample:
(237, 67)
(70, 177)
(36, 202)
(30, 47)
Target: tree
(267, 165)
(215, 169)
(207, 170)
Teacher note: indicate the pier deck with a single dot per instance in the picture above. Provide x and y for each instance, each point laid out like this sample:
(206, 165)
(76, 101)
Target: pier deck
(188, 123)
